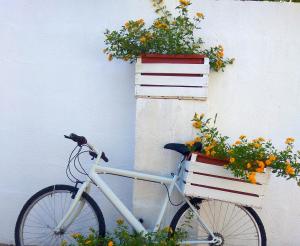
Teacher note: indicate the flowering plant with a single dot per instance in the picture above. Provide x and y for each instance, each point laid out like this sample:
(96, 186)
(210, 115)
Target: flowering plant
(168, 34)
(246, 158)
(122, 236)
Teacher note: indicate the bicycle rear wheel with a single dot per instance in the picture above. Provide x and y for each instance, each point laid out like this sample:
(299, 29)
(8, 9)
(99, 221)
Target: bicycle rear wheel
(235, 225)
(43, 211)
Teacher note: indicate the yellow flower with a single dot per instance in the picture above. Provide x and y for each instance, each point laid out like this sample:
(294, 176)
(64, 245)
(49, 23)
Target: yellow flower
(163, 26)
(249, 165)
(257, 145)
(127, 25)
(200, 15)
(110, 243)
(213, 153)
(197, 139)
(237, 142)
(148, 35)
(190, 143)
(219, 63)
(260, 139)
(88, 242)
(184, 2)
(76, 235)
(207, 136)
(64, 243)
(120, 221)
(268, 162)
(201, 116)
(289, 140)
(110, 57)
(230, 151)
(157, 23)
(197, 124)
(143, 39)
(242, 137)
(220, 54)
(272, 157)
(140, 21)
(231, 160)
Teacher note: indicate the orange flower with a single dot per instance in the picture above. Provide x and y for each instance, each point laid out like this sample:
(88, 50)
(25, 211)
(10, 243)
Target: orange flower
(220, 54)
(251, 177)
(272, 157)
(200, 15)
(197, 124)
(249, 165)
(143, 39)
(184, 2)
(289, 140)
(110, 57)
(190, 143)
(127, 25)
(237, 142)
(257, 145)
(140, 21)
(289, 169)
(197, 139)
(268, 162)
(110, 243)
(242, 137)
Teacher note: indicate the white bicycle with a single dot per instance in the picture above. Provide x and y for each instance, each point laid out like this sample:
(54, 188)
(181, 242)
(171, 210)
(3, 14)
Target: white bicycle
(53, 214)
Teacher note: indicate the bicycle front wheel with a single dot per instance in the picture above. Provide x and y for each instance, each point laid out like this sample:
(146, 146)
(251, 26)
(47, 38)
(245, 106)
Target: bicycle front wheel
(43, 211)
(235, 225)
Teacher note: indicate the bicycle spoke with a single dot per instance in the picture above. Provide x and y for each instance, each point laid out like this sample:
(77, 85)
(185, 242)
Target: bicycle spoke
(233, 224)
(46, 212)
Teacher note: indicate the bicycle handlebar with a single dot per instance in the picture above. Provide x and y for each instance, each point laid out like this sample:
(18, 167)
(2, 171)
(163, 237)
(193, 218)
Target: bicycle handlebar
(81, 140)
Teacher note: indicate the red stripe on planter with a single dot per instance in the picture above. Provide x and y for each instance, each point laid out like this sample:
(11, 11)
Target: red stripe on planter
(173, 74)
(176, 59)
(181, 86)
(226, 190)
(222, 177)
(212, 161)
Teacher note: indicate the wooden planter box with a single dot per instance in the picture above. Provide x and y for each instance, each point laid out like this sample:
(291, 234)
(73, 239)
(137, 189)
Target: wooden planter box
(172, 76)
(207, 178)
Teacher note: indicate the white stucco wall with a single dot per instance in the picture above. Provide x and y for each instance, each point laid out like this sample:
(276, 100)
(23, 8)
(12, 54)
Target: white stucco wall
(257, 96)
(54, 80)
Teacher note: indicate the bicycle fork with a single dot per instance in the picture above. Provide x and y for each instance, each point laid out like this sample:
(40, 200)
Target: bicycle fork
(74, 209)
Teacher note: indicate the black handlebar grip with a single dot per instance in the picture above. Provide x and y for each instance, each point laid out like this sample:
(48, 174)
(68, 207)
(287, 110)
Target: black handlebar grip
(80, 140)
(103, 157)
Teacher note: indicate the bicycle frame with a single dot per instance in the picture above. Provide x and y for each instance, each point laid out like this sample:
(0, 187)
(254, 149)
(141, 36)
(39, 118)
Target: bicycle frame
(96, 169)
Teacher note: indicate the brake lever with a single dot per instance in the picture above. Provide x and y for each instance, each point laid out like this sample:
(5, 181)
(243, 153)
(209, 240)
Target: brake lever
(93, 154)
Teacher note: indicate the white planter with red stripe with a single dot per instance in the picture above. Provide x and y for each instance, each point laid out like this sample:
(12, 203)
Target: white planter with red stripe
(172, 76)
(210, 180)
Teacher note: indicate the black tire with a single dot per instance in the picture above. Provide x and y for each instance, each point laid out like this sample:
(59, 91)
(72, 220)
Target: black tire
(43, 193)
(197, 203)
